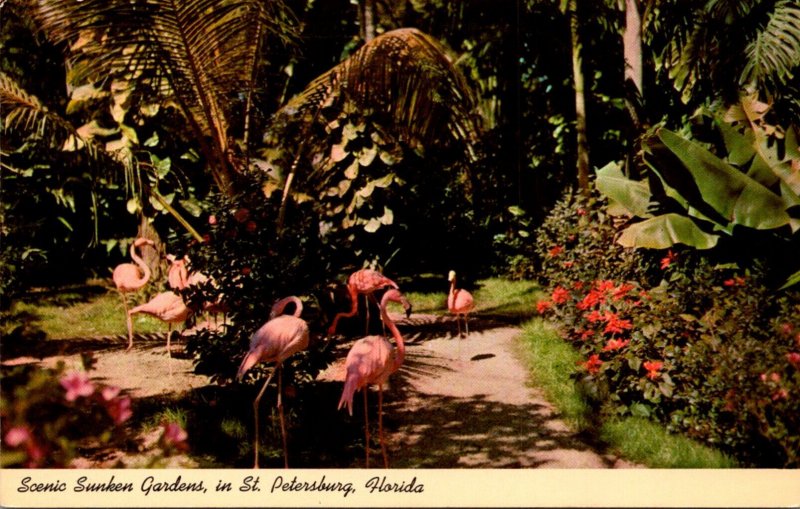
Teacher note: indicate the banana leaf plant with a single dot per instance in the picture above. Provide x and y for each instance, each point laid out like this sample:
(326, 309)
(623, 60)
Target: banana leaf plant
(693, 197)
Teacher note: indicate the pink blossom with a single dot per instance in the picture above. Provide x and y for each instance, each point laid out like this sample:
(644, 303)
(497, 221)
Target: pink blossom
(174, 436)
(120, 409)
(77, 384)
(17, 436)
(109, 392)
(794, 359)
(780, 394)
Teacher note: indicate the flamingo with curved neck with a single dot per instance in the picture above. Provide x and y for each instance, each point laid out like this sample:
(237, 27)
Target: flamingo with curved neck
(130, 277)
(372, 360)
(277, 340)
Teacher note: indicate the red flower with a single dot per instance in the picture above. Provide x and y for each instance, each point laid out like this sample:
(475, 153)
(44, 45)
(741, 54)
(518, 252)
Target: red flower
(555, 250)
(615, 344)
(653, 368)
(241, 215)
(605, 285)
(735, 281)
(593, 364)
(542, 306)
(560, 295)
(786, 328)
(594, 316)
(581, 212)
(614, 324)
(246, 271)
(212, 219)
(667, 260)
(568, 265)
(620, 291)
(119, 409)
(794, 359)
(76, 384)
(577, 285)
(592, 299)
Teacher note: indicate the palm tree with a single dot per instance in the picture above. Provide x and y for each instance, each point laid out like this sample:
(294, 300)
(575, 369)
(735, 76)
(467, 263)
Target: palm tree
(716, 49)
(407, 79)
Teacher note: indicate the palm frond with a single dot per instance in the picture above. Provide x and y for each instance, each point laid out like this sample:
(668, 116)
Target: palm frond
(406, 76)
(775, 52)
(24, 112)
(200, 54)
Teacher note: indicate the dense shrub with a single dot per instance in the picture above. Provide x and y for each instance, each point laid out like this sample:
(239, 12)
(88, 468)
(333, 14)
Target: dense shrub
(706, 347)
(47, 414)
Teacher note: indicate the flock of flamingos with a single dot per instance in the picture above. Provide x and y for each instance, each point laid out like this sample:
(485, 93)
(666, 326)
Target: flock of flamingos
(370, 361)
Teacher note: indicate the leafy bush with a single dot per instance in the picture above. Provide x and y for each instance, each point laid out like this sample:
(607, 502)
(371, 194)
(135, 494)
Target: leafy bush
(47, 413)
(706, 347)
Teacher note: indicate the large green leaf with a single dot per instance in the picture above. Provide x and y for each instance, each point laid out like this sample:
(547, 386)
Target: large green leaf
(632, 195)
(699, 174)
(664, 231)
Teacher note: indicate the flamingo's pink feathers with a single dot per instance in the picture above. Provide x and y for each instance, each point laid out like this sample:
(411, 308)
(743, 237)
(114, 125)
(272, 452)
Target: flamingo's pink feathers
(275, 341)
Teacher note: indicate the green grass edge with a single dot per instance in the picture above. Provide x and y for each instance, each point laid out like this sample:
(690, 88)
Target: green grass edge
(550, 360)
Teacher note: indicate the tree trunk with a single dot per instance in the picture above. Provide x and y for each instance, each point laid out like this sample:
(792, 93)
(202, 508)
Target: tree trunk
(580, 100)
(366, 18)
(632, 45)
(633, 79)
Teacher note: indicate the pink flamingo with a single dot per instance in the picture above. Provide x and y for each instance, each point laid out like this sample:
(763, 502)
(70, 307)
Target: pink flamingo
(362, 282)
(130, 277)
(372, 360)
(178, 274)
(459, 303)
(167, 307)
(277, 340)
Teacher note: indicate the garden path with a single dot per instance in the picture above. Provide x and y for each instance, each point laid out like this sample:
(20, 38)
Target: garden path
(468, 403)
(455, 403)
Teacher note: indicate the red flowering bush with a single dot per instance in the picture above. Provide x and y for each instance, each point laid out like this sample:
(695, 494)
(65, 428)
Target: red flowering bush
(47, 413)
(697, 342)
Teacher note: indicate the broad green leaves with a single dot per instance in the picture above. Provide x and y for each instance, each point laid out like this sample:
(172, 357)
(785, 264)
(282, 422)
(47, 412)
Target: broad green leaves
(754, 186)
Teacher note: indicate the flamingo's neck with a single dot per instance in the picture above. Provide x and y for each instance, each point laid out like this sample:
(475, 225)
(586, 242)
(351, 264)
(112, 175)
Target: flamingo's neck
(279, 306)
(138, 260)
(452, 295)
(400, 351)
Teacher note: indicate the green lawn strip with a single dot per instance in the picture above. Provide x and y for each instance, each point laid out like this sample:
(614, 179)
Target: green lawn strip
(551, 360)
(102, 315)
(492, 296)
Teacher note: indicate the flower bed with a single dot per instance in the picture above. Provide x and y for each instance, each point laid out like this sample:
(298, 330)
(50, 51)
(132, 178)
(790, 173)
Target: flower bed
(704, 346)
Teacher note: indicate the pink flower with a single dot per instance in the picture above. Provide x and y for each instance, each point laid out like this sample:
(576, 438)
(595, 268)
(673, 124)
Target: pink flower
(794, 359)
(120, 409)
(615, 344)
(560, 295)
(555, 250)
(543, 305)
(109, 392)
(653, 368)
(212, 219)
(780, 394)
(581, 212)
(174, 437)
(77, 384)
(17, 436)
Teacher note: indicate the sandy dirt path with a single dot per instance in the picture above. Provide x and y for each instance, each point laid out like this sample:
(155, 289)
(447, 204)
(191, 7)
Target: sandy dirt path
(454, 403)
(468, 403)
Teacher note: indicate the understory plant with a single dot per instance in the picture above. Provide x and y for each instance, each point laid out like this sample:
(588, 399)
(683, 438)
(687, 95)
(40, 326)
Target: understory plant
(707, 346)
